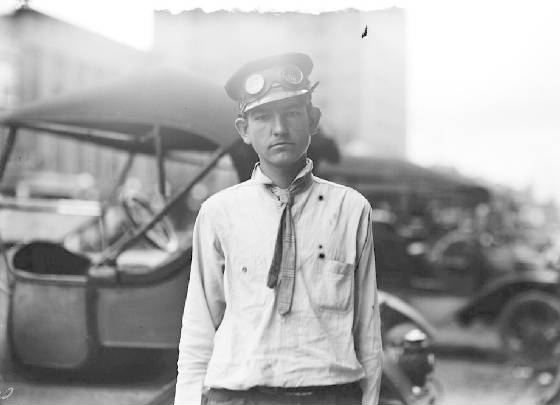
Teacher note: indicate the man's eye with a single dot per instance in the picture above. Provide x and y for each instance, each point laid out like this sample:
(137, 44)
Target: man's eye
(262, 117)
(293, 113)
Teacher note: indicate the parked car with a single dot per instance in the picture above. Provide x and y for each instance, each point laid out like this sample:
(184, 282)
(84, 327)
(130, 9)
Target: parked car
(416, 242)
(76, 310)
(506, 283)
(452, 264)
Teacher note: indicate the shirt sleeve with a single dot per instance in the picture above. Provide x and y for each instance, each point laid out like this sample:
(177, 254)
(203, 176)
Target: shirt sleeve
(203, 313)
(367, 322)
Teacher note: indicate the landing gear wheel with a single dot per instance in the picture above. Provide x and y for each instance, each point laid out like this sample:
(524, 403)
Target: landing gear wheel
(529, 328)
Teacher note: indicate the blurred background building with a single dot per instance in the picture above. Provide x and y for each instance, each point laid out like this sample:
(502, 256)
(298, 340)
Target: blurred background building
(362, 90)
(41, 56)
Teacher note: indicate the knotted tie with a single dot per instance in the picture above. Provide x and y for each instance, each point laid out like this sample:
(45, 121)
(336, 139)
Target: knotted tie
(282, 271)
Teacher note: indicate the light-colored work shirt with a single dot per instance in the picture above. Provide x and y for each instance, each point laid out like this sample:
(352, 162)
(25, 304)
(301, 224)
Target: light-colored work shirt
(232, 335)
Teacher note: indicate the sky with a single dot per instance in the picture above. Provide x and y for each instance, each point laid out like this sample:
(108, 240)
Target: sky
(484, 90)
(483, 81)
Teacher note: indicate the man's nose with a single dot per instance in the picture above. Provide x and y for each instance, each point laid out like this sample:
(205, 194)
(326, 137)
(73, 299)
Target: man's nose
(279, 125)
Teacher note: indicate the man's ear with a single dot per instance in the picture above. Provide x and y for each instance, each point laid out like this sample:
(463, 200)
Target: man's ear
(314, 117)
(241, 126)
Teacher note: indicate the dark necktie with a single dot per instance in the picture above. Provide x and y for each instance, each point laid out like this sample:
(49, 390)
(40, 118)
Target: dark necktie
(282, 271)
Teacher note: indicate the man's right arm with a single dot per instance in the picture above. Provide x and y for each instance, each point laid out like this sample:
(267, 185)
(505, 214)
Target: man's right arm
(204, 309)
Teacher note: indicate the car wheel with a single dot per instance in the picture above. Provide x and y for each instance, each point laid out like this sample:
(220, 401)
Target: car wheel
(529, 328)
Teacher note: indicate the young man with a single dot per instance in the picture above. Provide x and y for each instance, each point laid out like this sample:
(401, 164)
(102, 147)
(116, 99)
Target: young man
(282, 300)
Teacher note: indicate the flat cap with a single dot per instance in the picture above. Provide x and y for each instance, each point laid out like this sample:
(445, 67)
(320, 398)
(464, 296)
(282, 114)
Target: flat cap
(270, 79)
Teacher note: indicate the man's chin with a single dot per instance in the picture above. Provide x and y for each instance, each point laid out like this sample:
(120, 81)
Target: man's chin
(287, 161)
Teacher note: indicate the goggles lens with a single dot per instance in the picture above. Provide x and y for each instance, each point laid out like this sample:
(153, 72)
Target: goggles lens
(257, 85)
(289, 77)
(254, 84)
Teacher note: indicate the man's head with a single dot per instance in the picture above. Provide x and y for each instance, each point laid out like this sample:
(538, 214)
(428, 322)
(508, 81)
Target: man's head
(276, 116)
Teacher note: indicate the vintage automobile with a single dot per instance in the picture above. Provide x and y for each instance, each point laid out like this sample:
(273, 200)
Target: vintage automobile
(73, 308)
(433, 231)
(415, 251)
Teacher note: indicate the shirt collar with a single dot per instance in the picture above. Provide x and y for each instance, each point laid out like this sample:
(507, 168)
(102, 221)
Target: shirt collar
(259, 177)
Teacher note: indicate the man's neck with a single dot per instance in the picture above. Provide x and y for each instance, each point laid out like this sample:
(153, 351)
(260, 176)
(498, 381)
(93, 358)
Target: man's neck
(283, 176)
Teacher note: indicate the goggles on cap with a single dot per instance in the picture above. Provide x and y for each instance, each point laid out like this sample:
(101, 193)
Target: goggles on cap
(257, 85)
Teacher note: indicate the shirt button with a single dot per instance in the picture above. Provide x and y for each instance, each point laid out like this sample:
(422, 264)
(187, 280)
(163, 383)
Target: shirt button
(320, 198)
(244, 269)
(321, 255)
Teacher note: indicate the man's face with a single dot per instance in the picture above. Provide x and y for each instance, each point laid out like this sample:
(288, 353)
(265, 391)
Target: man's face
(279, 132)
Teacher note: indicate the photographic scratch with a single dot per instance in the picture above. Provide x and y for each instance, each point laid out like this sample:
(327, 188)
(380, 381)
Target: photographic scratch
(7, 393)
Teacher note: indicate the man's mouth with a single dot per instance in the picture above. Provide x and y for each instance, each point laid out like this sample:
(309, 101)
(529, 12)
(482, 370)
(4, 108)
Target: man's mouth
(280, 144)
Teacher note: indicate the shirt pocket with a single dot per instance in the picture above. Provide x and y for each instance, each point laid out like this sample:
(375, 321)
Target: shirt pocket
(332, 284)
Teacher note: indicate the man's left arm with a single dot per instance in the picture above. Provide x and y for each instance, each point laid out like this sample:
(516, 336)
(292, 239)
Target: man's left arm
(367, 322)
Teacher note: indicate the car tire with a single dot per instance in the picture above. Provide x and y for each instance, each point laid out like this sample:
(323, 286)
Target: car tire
(529, 329)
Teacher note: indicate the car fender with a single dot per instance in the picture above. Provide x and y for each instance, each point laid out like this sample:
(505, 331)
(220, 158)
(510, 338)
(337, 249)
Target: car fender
(395, 310)
(487, 304)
